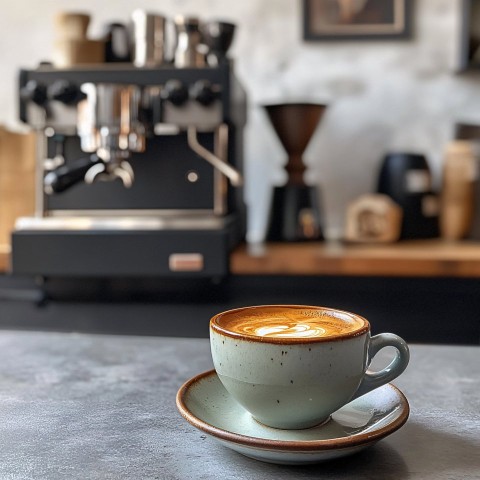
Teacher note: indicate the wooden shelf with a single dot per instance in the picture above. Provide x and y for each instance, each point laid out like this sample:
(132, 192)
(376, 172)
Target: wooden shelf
(420, 258)
(4, 257)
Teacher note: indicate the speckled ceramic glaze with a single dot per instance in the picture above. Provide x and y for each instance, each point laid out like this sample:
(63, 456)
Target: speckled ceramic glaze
(204, 402)
(293, 382)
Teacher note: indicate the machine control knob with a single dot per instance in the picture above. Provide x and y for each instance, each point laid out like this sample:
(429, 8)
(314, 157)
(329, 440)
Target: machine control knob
(65, 92)
(175, 92)
(203, 92)
(34, 92)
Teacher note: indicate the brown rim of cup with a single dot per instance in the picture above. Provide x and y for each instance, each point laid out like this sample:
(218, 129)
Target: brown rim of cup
(217, 328)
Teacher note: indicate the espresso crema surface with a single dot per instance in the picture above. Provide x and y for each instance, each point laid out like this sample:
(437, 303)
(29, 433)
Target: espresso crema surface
(290, 323)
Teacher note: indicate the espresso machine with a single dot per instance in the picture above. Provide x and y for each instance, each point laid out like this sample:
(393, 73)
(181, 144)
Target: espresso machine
(138, 169)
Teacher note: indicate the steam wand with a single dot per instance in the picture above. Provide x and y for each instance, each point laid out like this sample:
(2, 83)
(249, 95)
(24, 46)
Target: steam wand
(231, 173)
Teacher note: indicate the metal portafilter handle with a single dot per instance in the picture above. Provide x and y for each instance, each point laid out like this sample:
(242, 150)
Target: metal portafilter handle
(66, 176)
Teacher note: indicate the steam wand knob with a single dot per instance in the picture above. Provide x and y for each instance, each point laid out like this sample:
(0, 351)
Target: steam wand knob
(202, 92)
(175, 92)
(65, 92)
(34, 92)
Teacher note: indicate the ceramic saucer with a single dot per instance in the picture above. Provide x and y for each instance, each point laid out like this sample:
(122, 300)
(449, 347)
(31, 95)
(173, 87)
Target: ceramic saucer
(204, 402)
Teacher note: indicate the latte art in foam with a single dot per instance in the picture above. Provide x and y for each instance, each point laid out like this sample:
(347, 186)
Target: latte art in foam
(289, 323)
(290, 331)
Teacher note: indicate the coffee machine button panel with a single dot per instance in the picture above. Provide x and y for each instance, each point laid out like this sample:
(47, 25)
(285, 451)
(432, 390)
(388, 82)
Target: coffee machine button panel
(34, 92)
(183, 105)
(203, 92)
(65, 92)
(175, 92)
(52, 106)
(193, 114)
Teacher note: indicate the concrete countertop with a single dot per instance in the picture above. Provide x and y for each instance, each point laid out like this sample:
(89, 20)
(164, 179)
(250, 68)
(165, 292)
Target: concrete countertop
(103, 407)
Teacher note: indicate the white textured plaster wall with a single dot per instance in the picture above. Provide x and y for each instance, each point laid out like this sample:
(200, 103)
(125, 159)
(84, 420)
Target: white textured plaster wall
(383, 95)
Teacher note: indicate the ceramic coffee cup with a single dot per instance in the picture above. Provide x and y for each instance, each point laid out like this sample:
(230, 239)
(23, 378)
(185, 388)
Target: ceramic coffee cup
(292, 366)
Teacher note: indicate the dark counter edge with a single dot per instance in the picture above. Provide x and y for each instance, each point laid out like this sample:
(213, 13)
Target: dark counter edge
(422, 310)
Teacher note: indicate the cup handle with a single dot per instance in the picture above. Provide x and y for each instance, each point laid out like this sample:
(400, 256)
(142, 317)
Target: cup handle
(373, 380)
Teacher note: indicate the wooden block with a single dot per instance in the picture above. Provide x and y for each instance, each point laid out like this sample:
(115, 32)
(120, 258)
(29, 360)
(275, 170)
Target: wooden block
(373, 218)
(70, 52)
(17, 180)
(457, 198)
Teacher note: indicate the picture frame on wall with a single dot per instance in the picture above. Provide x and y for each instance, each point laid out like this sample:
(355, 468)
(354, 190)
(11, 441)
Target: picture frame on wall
(356, 19)
(469, 51)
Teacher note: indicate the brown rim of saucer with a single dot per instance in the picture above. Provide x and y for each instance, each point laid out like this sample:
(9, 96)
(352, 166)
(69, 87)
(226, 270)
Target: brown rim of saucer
(214, 325)
(355, 440)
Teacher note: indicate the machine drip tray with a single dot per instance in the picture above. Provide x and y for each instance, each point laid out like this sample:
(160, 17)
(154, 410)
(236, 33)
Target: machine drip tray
(123, 222)
(103, 252)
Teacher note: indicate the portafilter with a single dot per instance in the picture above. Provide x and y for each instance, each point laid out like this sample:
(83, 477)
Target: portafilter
(108, 124)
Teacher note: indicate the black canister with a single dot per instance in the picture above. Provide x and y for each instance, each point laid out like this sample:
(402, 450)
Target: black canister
(407, 179)
(117, 43)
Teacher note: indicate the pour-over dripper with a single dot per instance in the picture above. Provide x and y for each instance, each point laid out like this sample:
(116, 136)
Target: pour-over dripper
(218, 37)
(295, 211)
